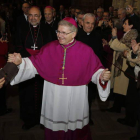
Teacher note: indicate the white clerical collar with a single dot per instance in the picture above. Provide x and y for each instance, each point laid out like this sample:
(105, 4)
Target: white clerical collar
(35, 26)
(26, 17)
(88, 33)
(49, 22)
(70, 41)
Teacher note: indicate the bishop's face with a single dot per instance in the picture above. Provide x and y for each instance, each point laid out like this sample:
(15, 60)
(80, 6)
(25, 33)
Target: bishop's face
(65, 35)
(34, 16)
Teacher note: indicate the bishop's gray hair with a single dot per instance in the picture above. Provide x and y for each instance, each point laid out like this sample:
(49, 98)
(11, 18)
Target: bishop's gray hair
(89, 15)
(66, 23)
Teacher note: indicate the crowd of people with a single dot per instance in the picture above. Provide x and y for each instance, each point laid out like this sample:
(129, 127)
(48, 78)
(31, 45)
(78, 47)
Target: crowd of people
(63, 54)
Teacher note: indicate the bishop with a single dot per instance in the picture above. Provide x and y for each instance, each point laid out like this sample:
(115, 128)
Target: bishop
(65, 105)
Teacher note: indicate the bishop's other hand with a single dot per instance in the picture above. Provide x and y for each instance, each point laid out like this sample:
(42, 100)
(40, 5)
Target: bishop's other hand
(15, 58)
(105, 75)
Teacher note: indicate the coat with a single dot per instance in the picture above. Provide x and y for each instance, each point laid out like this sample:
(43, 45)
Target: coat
(120, 83)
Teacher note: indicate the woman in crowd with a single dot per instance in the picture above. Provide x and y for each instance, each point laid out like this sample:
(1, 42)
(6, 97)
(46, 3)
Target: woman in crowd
(122, 84)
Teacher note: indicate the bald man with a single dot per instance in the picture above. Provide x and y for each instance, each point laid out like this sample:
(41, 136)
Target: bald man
(48, 13)
(30, 39)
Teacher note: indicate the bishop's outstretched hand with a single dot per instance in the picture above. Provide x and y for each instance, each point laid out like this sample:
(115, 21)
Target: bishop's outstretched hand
(15, 58)
(105, 75)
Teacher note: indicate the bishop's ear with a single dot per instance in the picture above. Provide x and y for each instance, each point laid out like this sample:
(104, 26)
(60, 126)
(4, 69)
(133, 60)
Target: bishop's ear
(73, 34)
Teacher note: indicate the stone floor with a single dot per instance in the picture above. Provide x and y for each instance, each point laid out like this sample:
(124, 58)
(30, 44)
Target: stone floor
(105, 125)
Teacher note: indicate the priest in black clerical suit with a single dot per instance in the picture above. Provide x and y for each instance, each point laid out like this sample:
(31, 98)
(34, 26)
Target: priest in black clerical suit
(23, 19)
(29, 35)
(30, 38)
(48, 14)
(90, 37)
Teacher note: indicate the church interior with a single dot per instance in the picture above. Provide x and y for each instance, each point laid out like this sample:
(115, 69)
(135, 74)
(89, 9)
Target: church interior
(105, 125)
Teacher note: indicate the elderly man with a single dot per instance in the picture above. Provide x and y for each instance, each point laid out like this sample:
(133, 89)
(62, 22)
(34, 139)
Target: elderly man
(67, 66)
(90, 37)
(122, 15)
(30, 38)
(135, 19)
(48, 13)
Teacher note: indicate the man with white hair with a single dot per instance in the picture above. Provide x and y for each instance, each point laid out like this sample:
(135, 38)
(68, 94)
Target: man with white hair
(122, 15)
(90, 37)
(67, 66)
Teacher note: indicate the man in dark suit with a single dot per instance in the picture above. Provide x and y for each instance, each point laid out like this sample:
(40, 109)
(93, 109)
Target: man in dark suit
(135, 19)
(79, 19)
(23, 19)
(90, 37)
(122, 15)
(77, 10)
(61, 13)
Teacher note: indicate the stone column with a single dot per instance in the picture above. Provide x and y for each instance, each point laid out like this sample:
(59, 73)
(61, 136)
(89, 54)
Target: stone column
(122, 3)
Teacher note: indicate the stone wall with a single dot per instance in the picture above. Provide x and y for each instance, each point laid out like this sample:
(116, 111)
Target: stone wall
(123, 3)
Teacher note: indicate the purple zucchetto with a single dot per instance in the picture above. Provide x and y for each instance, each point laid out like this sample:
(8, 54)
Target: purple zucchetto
(49, 7)
(71, 20)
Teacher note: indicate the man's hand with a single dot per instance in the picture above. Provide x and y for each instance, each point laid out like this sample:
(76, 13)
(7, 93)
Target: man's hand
(125, 53)
(114, 31)
(129, 9)
(15, 58)
(135, 46)
(104, 42)
(2, 81)
(105, 75)
(100, 23)
(110, 23)
(1, 40)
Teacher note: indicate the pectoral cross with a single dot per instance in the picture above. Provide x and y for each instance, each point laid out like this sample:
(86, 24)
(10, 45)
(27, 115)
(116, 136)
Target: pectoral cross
(63, 78)
(34, 47)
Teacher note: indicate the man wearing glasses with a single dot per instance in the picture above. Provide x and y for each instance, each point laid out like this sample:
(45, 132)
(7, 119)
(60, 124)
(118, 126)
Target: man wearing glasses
(99, 16)
(30, 39)
(67, 66)
(122, 15)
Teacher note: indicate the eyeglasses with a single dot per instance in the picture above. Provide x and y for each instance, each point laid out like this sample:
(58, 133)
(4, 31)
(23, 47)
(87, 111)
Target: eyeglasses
(63, 33)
